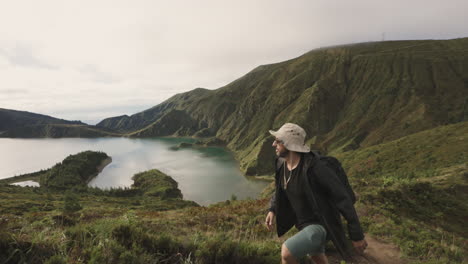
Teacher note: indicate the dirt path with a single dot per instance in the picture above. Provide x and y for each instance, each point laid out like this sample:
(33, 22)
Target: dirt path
(383, 253)
(377, 252)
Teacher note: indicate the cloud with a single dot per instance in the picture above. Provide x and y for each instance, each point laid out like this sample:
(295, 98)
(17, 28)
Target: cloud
(116, 56)
(97, 75)
(14, 91)
(22, 56)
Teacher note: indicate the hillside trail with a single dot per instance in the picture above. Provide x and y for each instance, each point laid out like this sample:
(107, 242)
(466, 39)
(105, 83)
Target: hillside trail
(377, 252)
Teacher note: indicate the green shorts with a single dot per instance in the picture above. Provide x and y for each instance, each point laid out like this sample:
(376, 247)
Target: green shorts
(309, 241)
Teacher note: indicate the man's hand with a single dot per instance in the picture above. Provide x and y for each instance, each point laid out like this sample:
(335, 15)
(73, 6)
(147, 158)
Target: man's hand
(360, 246)
(269, 220)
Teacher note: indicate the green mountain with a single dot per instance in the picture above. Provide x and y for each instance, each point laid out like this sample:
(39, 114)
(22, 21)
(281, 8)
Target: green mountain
(394, 113)
(12, 118)
(346, 97)
(159, 118)
(31, 125)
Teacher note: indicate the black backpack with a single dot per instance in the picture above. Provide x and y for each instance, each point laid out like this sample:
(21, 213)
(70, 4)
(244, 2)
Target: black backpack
(335, 165)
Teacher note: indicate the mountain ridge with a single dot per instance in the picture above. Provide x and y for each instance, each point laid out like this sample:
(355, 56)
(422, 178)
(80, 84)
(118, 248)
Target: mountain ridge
(24, 124)
(12, 118)
(345, 97)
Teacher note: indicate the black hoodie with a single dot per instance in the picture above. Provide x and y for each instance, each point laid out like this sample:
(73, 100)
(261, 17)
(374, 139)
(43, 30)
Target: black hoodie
(328, 198)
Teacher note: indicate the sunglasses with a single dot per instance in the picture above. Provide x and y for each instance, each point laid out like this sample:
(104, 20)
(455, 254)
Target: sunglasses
(278, 141)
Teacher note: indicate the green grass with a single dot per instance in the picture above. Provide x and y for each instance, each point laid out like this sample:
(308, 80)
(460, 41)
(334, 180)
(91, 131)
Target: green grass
(114, 230)
(74, 171)
(421, 155)
(404, 199)
(156, 183)
(413, 192)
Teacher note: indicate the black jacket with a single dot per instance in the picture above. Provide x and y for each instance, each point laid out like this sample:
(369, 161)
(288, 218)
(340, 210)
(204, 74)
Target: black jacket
(328, 198)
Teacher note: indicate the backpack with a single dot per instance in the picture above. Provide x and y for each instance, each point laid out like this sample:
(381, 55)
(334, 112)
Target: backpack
(335, 165)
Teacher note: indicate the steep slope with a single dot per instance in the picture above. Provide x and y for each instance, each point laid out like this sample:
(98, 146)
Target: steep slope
(412, 192)
(346, 97)
(146, 119)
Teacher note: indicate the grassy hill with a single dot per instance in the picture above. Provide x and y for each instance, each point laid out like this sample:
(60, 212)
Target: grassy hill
(57, 131)
(65, 205)
(21, 124)
(411, 192)
(415, 190)
(346, 97)
(12, 118)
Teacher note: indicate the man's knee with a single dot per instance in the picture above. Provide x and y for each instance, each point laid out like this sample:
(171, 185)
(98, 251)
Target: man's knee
(286, 254)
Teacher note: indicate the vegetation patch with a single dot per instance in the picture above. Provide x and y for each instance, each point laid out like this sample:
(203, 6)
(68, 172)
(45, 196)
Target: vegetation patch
(156, 183)
(74, 171)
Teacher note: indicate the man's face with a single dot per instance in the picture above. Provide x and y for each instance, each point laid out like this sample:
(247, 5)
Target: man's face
(280, 149)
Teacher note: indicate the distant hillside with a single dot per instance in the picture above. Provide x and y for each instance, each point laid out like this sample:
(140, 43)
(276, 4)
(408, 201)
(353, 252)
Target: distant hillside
(163, 111)
(31, 125)
(57, 131)
(346, 97)
(12, 118)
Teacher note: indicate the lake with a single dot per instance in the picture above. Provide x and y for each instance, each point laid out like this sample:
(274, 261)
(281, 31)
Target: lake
(205, 175)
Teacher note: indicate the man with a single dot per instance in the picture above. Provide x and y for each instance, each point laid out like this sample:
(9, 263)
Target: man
(310, 196)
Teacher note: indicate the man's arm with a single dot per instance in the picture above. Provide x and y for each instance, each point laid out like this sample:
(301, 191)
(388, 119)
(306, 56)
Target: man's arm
(278, 163)
(334, 187)
(272, 209)
(273, 203)
(269, 220)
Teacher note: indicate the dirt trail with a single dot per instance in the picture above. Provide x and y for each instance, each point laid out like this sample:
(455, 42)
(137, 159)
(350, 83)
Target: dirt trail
(382, 253)
(377, 252)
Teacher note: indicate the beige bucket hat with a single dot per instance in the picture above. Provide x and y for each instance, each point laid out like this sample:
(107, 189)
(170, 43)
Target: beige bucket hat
(293, 137)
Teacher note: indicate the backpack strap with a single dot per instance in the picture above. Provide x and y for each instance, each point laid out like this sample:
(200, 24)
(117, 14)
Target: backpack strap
(316, 154)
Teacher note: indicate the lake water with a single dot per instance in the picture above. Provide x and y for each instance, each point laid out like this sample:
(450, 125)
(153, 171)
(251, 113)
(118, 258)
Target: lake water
(205, 175)
(27, 183)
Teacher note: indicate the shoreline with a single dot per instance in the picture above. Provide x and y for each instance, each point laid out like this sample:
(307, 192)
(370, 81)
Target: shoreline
(99, 169)
(103, 164)
(34, 176)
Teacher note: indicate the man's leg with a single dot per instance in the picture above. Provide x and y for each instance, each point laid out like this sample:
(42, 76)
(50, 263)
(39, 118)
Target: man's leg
(310, 240)
(320, 259)
(286, 256)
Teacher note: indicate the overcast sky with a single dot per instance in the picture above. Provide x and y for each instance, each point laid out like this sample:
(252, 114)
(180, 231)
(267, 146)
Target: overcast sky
(88, 60)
